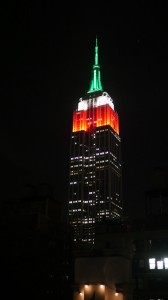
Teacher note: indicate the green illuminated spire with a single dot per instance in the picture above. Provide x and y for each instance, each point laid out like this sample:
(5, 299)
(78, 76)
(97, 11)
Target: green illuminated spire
(96, 78)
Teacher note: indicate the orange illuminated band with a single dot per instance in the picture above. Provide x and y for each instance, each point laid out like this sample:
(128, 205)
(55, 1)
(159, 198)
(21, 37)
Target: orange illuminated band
(101, 116)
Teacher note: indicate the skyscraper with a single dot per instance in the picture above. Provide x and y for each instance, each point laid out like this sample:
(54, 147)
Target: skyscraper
(95, 184)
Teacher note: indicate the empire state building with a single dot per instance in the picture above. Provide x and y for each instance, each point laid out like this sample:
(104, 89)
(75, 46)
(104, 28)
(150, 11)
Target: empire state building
(95, 177)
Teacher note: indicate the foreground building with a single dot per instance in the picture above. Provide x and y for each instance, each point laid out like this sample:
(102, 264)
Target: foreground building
(129, 262)
(95, 185)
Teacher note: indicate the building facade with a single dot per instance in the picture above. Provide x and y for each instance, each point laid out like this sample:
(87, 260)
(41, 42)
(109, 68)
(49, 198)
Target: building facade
(95, 178)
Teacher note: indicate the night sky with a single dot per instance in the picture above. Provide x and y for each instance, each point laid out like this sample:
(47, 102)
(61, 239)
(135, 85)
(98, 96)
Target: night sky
(47, 53)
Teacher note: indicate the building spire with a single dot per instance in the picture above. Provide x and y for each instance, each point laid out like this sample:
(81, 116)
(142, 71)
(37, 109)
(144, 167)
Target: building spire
(96, 78)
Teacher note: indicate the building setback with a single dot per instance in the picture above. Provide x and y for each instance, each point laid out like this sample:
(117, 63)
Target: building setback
(95, 178)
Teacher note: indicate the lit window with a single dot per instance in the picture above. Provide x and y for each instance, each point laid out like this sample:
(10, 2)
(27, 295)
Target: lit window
(151, 263)
(166, 262)
(160, 264)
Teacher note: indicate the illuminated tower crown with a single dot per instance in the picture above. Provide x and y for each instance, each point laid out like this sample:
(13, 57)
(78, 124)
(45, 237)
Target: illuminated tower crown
(103, 112)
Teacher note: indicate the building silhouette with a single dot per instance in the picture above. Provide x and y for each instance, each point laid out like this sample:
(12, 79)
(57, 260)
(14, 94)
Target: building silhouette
(36, 258)
(156, 197)
(95, 178)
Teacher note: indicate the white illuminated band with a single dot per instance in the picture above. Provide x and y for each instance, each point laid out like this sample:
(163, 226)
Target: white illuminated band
(101, 100)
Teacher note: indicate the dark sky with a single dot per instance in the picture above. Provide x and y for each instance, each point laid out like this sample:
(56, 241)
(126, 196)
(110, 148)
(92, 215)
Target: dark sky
(47, 53)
